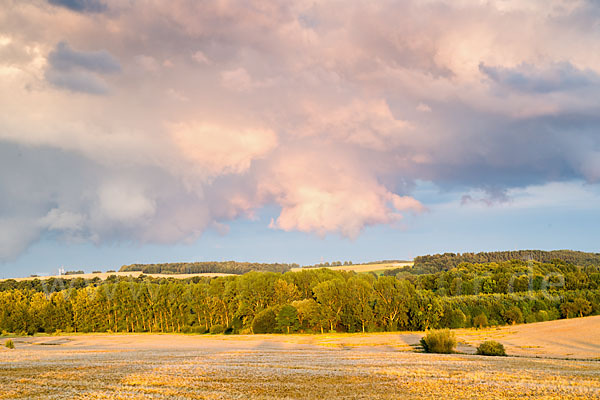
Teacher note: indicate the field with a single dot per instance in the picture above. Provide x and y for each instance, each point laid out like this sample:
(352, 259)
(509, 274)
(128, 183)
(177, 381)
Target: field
(351, 366)
(366, 267)
(104, 275)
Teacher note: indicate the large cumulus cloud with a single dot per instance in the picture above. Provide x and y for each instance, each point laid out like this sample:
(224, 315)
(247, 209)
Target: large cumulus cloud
(330, 111)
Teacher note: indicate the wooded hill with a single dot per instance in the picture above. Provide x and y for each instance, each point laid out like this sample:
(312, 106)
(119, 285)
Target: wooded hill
(311, 300)
(446, 261)
(202, 267)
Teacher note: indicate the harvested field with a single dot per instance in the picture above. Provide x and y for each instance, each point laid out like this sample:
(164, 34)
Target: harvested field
(351, 366)
(366, 267)
(104, 275)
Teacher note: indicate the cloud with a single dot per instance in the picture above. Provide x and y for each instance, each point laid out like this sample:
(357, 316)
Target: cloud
(84, 6)
(80, 71)
(553, 78)
(329, 114)
(220, 149)
(323, 191)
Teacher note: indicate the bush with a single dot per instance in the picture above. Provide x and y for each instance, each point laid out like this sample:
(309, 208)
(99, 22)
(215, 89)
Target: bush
(216, 329)
(264, 322)
(9, 344)
(480, 321)
(442, 341)
(491, 348)
(513, 315)
(456, 319)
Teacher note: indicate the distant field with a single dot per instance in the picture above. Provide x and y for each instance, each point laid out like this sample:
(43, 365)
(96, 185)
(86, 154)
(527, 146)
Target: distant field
(104, 275)
(365, 267)
(349, 366)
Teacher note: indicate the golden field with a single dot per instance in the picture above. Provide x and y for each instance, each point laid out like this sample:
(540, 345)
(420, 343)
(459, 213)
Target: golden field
(104, 275)
(551, 360)
(365, 267)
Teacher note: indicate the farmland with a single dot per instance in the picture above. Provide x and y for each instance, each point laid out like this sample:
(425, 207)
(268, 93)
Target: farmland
(133, 274)
(353, 366)
(366, 267)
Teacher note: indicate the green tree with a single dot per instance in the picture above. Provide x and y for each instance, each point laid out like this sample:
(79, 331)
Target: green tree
(265, 321)
(332, 295)
(392, 299)
(359, 302)
(287, 318)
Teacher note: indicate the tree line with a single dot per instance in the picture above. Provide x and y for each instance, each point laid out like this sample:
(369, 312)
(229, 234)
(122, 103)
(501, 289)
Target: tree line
(444, 262)
(312, 300)
(504, 277)
(225, 267)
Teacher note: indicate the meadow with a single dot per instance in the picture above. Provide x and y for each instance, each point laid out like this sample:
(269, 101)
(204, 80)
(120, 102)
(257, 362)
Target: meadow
(350, 366)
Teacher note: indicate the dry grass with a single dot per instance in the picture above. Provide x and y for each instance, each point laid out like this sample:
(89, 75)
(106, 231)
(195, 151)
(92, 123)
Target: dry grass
(565, 338)
(366, 267)
(350, 366)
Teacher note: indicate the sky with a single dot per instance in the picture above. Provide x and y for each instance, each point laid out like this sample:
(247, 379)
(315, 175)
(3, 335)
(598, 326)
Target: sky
(295, 131)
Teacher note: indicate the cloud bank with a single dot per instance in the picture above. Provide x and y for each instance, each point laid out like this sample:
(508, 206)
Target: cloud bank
(154, 121)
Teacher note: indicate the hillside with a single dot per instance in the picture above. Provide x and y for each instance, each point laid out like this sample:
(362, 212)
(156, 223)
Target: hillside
(446, 261)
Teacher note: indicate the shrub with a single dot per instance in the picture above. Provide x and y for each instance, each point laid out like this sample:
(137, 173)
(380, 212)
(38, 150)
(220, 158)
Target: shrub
(456, 319)
(513, 315)
(542, 316)
(216, 329)
(480, 321)
(9, 344)
(264, 322)
(186, 329)
(491, 348)
(442, 341)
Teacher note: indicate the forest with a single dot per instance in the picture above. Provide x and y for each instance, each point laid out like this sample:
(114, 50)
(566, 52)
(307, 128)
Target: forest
(446, 261)
(310, 300)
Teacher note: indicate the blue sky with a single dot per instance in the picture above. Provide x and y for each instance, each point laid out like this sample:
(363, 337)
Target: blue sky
(563, 220)
(294, 131)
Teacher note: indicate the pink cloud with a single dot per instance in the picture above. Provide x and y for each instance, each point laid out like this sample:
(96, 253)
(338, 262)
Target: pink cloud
(219, 149)
(324, 192)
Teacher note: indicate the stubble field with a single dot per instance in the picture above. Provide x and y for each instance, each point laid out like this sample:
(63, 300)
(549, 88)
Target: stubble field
(351, 366)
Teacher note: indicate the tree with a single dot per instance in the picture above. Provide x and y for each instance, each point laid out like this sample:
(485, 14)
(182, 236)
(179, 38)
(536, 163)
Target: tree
(332, 295)
(265, 321)
(577, 307)
(360, 301)
(309, 313)
(287, 318)
(392, 297)
(425, 310)
(285, 292)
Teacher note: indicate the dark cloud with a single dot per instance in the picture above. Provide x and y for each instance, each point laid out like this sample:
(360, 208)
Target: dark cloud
(80, 71)
(64, 58)
(77, 81)
(83, 6)
(554, 78)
